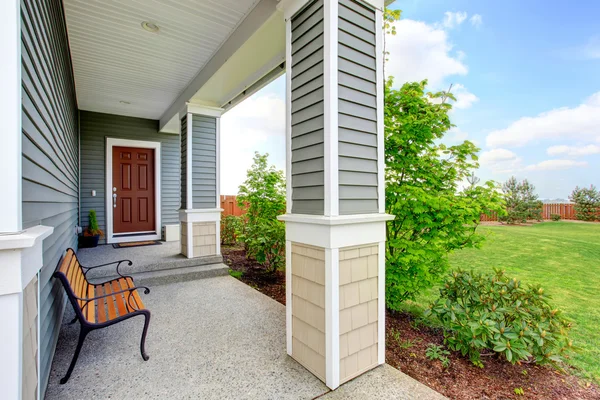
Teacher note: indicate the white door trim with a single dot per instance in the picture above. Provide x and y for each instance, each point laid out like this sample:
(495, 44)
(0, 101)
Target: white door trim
(110, 143)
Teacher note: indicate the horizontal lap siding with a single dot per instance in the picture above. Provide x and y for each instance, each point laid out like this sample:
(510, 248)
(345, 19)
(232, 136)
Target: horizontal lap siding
(357, 108)
(308, 110)
(50, 155)
(204, 162)
(95, 128)
(183, 163)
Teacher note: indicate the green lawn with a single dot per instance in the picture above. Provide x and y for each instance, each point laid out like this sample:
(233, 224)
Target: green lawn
(564, 258)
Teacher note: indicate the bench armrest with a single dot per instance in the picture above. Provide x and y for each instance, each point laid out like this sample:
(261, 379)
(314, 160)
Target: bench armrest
(87, 269)
(87, 300)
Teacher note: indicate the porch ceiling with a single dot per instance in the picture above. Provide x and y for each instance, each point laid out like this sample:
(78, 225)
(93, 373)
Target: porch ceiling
(120, 68)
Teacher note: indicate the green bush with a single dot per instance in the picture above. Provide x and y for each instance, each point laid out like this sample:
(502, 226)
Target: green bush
(521, 202)
(555, 217)
(93, 229)
(231, 227)
(262, 197)
(493, 313)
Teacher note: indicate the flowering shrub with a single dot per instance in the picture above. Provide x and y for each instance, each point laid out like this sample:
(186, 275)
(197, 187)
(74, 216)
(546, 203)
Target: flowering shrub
(493, 313)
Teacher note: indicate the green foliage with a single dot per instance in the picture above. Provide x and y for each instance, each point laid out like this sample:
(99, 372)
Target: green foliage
(231, 227)
(587, 203)
(494, 313)
(236, 274)
(521, 202)
(262, 197)
(519, 391)
(555, 217)
(423, 177)
(93, 228)
(435, 352)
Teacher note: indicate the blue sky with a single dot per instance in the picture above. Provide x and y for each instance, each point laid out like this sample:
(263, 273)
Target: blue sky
(527, 79)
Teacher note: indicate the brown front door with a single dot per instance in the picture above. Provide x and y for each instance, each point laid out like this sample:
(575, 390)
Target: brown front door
(133, 185)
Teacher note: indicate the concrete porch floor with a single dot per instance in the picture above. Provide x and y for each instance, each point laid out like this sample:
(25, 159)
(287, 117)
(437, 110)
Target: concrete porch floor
(212, 338)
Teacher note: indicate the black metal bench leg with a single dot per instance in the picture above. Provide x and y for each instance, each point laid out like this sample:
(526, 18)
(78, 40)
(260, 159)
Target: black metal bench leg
(73, 321)
(143, 341)
(82, 334)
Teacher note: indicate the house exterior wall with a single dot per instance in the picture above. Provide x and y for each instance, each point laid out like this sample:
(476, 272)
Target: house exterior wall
(30, 340)
(204, 162)
(357, 108)
(183, 158)
(308, 110)
(308, 310)
(358, 310)
(50, 154)
(95, 128)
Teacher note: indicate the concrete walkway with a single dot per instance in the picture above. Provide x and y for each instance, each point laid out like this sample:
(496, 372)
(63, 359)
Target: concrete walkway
(213, 338)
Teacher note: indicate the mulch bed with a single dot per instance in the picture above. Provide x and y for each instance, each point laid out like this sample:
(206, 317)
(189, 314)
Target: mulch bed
(461, 380)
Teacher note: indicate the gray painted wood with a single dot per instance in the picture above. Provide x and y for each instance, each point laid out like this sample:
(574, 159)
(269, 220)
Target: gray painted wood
(183, 170)
(204, 162)
(357, 108)
(307, 164)
(50, 155)
(95, 128)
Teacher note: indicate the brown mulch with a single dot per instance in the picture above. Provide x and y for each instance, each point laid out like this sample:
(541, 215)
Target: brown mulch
(461, 380)
(271, 284)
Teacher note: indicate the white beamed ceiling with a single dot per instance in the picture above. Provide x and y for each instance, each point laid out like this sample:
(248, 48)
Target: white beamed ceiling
(115, 60)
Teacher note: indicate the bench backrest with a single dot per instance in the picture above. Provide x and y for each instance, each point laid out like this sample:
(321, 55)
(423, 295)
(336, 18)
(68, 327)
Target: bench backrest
(71, 275)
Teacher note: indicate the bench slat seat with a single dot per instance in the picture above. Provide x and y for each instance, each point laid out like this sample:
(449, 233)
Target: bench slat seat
(98, 305)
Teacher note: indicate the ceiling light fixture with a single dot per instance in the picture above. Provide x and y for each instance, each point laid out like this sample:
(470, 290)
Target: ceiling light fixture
(124, 102)
(150, 27)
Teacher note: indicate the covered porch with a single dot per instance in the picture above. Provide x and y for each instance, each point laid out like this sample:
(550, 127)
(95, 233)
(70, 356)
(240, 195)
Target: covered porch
(213, 338)
(115, 107)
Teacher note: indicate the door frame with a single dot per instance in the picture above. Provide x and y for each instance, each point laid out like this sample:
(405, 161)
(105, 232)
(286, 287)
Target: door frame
(110, 143)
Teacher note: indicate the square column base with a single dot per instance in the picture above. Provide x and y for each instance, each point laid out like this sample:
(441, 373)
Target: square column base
(335, 289)
(200, 232)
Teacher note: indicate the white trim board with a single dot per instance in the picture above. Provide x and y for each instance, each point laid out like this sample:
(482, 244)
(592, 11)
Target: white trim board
(110, 143)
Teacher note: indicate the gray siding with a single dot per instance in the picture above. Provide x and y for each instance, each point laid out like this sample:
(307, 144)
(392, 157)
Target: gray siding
(183, 162)
(95, 128)
(307, 110)
(50, 154)
(357, 108)
(204, 161)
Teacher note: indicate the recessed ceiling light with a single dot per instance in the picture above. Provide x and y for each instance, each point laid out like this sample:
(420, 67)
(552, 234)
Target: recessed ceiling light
(124, 102)
(150, 27)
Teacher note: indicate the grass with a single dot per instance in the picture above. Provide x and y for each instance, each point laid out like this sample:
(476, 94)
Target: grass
(564, 257)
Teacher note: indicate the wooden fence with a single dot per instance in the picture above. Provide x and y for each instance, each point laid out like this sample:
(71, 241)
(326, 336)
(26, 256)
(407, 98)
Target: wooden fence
(230, 206)
(565, 210)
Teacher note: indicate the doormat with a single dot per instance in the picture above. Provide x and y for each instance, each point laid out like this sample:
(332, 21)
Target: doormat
(136, 244)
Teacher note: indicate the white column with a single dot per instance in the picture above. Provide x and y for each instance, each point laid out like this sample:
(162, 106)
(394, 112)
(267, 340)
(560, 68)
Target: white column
(191, 216)
(335, 253)
(10, 115)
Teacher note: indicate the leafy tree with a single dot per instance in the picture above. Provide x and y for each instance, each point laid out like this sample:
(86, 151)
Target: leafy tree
(262, 197)
(423, 178)
(587, 203)
(521, 201)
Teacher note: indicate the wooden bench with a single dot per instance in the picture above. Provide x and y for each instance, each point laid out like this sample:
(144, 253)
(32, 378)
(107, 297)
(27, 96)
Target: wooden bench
(98, 305)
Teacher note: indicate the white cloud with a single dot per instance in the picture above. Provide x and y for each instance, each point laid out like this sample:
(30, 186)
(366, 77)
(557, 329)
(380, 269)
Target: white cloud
(582, 122)
(574, 151)
(592, 49)
(555, 165)
(454, 19)
(258, 123)
(420, 51)
(464, 98)
(500, 160)
(455, 136)
(476, 20)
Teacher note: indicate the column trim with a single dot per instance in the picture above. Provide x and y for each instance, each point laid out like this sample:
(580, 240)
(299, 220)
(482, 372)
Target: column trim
(10, 113)
(288, 115)
(381, 304)
(380, 111)
(332, 317)
(330, 71)
(188, 155)
(218, 181)
(288, 296)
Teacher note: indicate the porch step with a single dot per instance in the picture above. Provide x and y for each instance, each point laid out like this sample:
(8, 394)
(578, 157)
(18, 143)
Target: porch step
(165, 276)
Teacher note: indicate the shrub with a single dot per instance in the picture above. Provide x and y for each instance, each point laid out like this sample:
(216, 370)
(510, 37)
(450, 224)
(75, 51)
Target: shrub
(262, 197)
(555, 217)
(493, 313)
(93, 229)
(521, 202)
(231, 227)
(587, 203)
